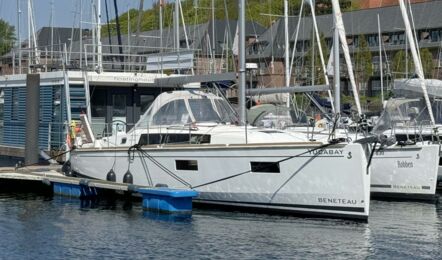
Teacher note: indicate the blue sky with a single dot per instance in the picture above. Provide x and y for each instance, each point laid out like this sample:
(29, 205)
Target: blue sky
(64, 12)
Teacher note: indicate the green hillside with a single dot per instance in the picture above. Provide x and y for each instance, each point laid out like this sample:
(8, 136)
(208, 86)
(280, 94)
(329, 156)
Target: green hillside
(199, 11)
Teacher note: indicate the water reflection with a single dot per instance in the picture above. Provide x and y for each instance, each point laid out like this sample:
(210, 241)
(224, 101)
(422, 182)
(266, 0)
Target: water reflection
(158, 216)
(75, 228)
(405, 229)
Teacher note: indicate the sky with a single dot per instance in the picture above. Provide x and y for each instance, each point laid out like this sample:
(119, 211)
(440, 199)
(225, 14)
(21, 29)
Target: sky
(64, 12)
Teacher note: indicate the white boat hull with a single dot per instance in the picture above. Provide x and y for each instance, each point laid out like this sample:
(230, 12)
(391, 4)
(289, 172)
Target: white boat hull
(405, 172)
(331, 182)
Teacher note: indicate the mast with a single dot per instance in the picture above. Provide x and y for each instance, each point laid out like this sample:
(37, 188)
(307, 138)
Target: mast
(321, 54)
(140, 11)
(52, 31)
(339, 24)
(213, 36)
(81, 34)
(99, 46)
(117, 20)
(286, 43)
(161, 35)
(93, 20)
(18, 36)
(32, 27)
(29, 37)
(242, 63)
(416, 59)
(381, 68)
(176, 22)
(108, 27)
(336, 66)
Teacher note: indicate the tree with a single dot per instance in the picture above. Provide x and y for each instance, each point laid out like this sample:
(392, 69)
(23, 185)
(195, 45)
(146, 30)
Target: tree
(313, 55)
(363, 61)
(7, 37)
(197, 11)
(427, 62)
(399, 63)
(325, 6)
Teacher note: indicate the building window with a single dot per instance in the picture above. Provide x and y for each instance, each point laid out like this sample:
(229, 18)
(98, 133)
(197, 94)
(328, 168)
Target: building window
(373, 40)
(145, 102)
(435, 35)
(402, 38)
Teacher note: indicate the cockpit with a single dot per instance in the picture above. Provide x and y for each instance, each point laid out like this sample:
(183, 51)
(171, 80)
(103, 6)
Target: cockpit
(185, 107)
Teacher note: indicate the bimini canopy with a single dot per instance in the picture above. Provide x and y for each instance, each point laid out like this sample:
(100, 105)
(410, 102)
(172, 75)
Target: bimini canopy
(411, 88)
(186, 106)
(404, 113)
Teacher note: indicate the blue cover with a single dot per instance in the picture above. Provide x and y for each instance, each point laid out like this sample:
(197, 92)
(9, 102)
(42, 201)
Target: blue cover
(174, 193)
(167, 200)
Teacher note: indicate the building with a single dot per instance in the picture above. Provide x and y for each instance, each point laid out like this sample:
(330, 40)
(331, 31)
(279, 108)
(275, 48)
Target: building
(48, 54)
(268, 50)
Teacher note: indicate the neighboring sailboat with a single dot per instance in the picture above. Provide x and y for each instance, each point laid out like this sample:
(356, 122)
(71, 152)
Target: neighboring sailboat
(400, 170)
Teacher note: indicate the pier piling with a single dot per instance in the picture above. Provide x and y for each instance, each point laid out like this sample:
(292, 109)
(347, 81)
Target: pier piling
(32, 118)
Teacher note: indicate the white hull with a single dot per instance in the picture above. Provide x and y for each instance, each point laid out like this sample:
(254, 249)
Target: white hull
(405, 172)
(408, 172)
(333, 182)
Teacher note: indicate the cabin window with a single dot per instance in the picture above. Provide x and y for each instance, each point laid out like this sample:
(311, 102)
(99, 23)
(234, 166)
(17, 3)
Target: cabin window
(123, 140)
(186, 165)
(267, 167)
(202, 110)
(224, 110)
(174, 112)
(147, 139)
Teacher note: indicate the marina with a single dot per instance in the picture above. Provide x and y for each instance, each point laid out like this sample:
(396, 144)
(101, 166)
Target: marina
(228, 136)
(114, 229)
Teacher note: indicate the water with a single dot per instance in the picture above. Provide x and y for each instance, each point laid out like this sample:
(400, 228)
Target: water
(45, 227)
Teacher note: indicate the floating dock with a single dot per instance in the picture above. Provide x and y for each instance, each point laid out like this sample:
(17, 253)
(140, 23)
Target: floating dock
(157, 199)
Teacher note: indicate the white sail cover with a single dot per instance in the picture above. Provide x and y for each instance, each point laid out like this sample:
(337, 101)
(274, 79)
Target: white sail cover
(416, 58)
(412, 88)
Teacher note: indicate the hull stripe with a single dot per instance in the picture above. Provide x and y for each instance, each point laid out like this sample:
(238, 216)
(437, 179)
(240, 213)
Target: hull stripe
(288, 206)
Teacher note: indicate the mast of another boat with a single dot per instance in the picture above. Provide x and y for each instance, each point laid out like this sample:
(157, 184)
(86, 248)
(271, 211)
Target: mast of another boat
(321, 55)
(19, 36)
(416, 59)
(242, 66)
(336, 74)
(286, 50)
(341, 38)
(99, 46)
(381, 67)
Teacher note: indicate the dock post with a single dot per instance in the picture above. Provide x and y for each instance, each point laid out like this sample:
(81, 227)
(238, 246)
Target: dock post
(32, 118)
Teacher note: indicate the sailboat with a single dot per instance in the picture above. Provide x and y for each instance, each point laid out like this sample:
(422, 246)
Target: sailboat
(189, 139)
(404, 169)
